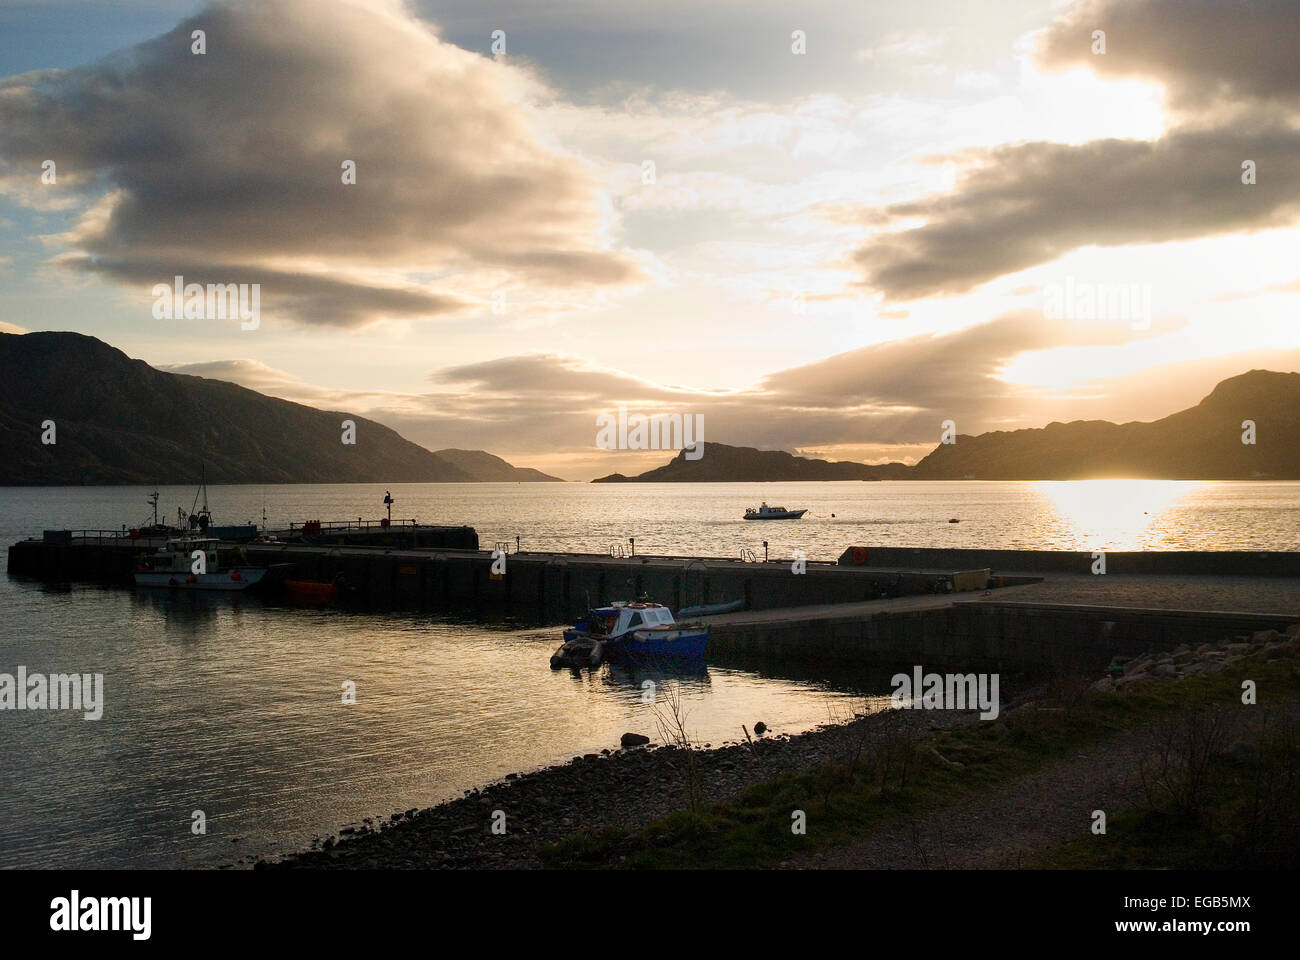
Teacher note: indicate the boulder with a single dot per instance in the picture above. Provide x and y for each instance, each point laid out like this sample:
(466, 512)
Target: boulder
(1243, 752)
(1138, 666)
(633, 740)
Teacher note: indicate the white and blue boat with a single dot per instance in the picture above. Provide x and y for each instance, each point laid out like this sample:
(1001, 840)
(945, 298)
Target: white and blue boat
(175, 566)
(634, 630)
(773, 513)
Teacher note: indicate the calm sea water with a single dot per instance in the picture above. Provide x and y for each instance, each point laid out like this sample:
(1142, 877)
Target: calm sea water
(223, 705)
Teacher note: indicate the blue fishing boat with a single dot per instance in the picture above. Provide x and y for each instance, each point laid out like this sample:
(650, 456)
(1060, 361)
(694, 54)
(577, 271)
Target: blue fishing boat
(638, 629)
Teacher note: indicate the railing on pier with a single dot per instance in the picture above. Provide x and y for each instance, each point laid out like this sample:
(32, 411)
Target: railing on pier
(317, 527)
(91, 536)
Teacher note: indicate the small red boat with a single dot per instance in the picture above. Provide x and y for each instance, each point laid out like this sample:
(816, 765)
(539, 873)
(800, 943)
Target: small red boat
(310, 593)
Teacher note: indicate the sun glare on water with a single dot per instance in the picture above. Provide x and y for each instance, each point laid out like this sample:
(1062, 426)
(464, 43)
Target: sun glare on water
(1113, 514)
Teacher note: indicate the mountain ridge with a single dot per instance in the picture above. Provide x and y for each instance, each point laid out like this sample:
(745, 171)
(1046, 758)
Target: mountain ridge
(489, 468)
(1203, 442)
(118, 420)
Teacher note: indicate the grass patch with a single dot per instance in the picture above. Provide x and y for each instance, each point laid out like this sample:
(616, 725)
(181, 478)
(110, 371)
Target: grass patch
(891, 777)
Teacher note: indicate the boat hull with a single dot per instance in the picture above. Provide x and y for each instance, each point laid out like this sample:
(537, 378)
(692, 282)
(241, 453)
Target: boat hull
(659, 643)
(232, 580)
(787, 515)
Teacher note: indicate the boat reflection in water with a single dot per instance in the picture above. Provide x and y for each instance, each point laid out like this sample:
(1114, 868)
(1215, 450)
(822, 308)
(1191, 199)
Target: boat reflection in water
(690, 675)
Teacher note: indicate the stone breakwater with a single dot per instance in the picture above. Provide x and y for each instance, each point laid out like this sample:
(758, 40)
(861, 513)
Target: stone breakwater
(1186, 661)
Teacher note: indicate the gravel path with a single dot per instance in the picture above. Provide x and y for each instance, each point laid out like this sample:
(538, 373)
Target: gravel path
(1003, 826)
(999, 827)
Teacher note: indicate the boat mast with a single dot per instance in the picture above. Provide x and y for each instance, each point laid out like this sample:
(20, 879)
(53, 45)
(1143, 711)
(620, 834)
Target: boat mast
(204, 515)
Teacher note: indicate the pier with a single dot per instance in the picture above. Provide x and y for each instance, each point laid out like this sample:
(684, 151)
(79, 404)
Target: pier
(1027, 609)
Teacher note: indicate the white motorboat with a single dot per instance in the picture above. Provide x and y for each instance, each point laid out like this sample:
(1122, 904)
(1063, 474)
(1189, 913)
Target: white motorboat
(192, 563)
(765, 512)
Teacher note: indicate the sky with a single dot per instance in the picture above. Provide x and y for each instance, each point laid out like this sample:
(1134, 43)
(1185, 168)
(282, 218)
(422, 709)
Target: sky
(825, 227)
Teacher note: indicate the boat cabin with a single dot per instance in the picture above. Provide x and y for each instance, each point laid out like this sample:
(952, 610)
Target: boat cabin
(177, 556)
(619, 618)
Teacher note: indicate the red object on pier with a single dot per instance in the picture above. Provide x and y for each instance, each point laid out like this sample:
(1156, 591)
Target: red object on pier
(310, 592)
(311, 528)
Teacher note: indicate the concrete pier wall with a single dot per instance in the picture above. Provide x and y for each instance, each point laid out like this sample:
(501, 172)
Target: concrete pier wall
(992, 635)
(561, 585)
(1223, 563)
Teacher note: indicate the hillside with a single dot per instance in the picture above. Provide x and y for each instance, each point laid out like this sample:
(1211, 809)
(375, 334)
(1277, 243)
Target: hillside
(720, 463)
(485, 467)
(1202, 442)
(118, 420)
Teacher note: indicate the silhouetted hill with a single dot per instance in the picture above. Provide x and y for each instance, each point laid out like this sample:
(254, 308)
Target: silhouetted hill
(720, 463)
(488, 468)
(1203, 442)
(118, 420)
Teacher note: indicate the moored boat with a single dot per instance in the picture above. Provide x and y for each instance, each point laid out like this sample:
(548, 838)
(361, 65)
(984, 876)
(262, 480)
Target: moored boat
(765, 512)
(637, 629)
(192, 563)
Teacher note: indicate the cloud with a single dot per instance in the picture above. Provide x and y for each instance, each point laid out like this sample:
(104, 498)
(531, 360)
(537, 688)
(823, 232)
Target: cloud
(1032, 203)
(884, 401)
(233, 160)
(1230, 67)
(891, 395)
(1203, 52)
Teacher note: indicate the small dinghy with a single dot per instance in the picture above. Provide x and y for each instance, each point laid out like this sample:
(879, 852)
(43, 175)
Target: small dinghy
(578, 653)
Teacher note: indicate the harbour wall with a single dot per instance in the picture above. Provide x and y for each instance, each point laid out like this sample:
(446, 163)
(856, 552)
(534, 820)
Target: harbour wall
(992, 635)
(559, 586)
(1222, 563)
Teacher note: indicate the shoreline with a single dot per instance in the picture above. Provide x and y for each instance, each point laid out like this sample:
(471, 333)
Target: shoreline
(624, 788)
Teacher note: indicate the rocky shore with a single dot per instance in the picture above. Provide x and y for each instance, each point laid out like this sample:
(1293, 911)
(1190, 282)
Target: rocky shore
(1185, 661)
(623, 788)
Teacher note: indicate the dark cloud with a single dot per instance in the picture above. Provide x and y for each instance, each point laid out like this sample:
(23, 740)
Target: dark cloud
(1032, 203)
(1202, 51)
(322, 299)
(233, 159)
(1231, 71)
